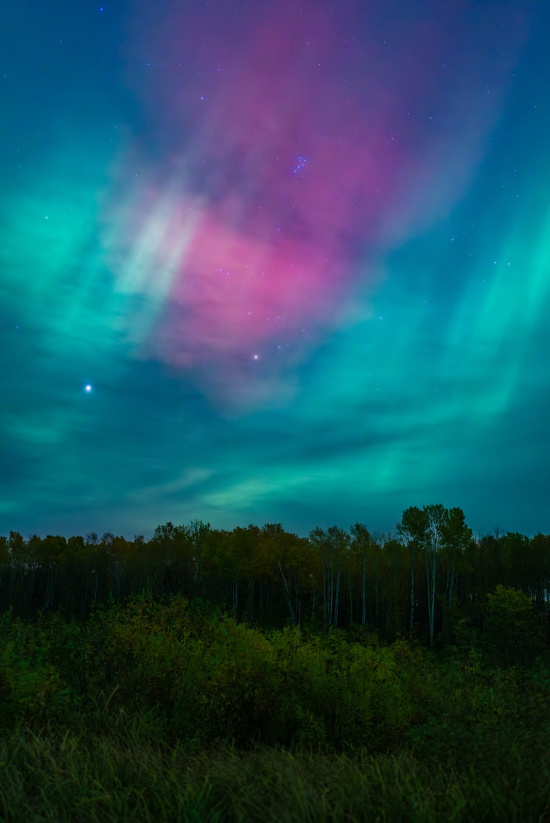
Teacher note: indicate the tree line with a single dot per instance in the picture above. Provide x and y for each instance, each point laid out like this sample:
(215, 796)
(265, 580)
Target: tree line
(430, 579)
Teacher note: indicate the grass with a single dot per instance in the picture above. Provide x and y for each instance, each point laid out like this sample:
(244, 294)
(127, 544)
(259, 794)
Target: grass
(100, 779)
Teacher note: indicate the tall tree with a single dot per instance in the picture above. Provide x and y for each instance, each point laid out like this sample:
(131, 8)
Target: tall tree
(411, 530)
(360, 544)
(332, 546)
(423, 528)
(456, 537)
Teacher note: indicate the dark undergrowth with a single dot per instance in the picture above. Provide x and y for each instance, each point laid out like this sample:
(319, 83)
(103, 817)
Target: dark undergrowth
(166, 712)
(100, 779)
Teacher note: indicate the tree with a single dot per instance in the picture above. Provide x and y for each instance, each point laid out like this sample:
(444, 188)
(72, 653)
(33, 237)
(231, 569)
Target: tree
(332, 546)
(49, 553)
(424, 529)
(456, 537)
(360, 544)
(171, 550)
(198, 533)
(511, 630)
(411, 529)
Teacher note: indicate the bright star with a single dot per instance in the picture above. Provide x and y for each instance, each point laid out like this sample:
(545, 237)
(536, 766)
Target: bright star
(87, 388)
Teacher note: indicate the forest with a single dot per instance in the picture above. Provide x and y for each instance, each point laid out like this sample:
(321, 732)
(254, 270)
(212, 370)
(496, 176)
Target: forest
(254, 674)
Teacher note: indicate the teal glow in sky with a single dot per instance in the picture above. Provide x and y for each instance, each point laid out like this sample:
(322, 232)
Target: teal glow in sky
(274, 262)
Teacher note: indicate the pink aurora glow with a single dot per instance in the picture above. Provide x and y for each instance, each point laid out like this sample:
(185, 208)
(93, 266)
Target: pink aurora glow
(297, 149)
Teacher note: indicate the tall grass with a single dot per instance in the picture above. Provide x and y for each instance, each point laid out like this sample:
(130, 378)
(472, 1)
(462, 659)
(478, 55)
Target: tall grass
(98, 780)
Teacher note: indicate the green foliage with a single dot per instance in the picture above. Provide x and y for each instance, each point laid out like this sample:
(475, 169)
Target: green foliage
(512, 630)
(174, 711)
(32, 688)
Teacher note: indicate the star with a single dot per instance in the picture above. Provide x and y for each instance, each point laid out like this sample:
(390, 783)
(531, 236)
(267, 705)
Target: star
(88, 388)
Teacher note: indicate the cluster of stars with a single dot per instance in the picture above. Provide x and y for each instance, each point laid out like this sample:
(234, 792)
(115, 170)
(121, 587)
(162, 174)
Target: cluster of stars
(300, 164)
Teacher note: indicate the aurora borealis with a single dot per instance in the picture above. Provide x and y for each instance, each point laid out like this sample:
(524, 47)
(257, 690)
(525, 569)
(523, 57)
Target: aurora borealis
(274, 261)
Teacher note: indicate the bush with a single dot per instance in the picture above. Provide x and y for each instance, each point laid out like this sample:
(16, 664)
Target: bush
(512, 634)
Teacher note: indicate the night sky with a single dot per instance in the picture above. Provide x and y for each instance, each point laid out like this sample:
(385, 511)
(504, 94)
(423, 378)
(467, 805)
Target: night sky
(273, 261)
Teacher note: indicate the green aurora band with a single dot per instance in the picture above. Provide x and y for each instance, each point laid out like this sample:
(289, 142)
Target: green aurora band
(429, 383)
